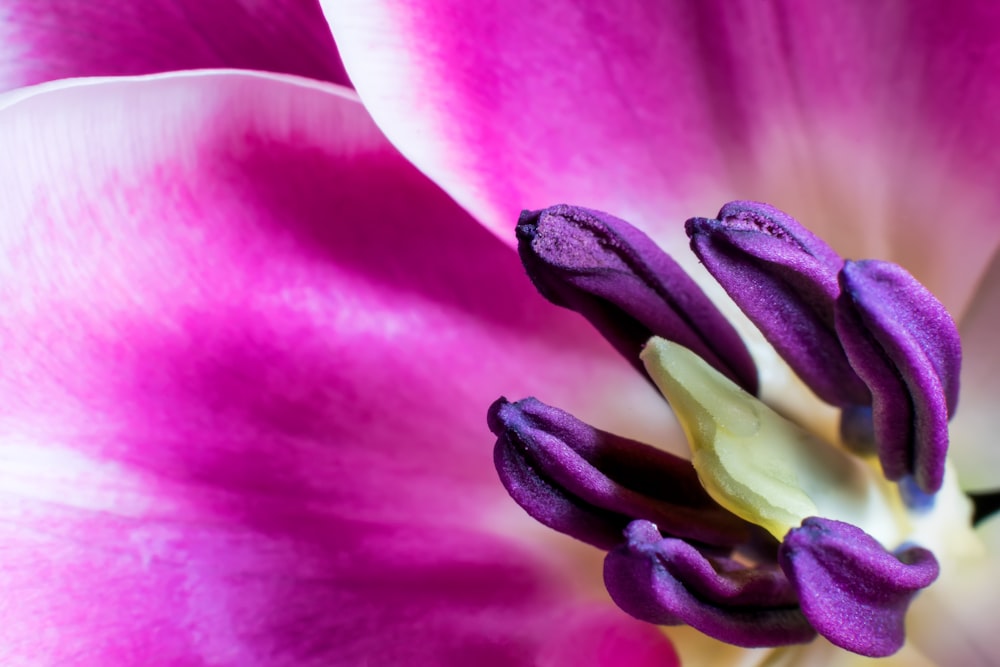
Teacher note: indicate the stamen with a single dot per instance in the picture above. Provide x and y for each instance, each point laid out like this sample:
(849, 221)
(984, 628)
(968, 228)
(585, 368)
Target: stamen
(753, 461)
(590, 484)
(784, 278)
(668, 582)
(905, 346)
(694, 542)
(627, 287)
(853, 591)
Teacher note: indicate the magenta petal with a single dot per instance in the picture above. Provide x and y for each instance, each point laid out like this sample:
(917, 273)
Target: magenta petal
(516, 106)
(852, 115)
(284, 588)
(247, 349)
(903, 343)
(43, 40)
(667, 581)
(854, 591)
(583, 639)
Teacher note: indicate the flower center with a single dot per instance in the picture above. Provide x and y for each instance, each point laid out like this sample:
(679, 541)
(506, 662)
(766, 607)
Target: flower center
(759, 465)
(770, 534)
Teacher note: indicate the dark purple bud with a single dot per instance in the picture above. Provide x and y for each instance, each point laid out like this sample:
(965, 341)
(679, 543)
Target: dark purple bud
(853, 591)
(668, 582)
(905, 346)
(590, 484)
(627, 287)
(785, 279)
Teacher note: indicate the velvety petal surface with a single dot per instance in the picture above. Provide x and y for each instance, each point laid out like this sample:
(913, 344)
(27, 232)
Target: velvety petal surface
(247, 354)
(854, 118)
(42, 40)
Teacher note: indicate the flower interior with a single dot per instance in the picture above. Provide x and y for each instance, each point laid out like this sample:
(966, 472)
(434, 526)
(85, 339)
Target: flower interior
(769, 534)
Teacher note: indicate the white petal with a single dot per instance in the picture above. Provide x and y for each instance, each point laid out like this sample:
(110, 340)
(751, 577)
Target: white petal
(977, 421)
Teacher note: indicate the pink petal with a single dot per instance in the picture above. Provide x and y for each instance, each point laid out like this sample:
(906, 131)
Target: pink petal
(954, 621)
(248, 351)
(588, 638)
(42, 40)
(871, 123)
(977, 421)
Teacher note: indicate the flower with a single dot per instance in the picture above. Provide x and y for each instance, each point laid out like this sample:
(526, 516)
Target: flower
(768, 535)
(228, 304)
(247, 345)
(867, 122)
(224, 331)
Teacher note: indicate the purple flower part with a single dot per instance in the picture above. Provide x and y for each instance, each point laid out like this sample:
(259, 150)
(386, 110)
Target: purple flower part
(905, 346)
(857, 429)
(853, 591)
(590, 484)
(627, 287)
(669, 582)
(785, 279)
(913, 497)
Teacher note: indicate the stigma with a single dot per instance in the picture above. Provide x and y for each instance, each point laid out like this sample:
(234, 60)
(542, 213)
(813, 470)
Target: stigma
(769, 534)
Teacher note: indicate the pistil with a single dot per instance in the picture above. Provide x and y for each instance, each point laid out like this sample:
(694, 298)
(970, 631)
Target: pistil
(754, 462)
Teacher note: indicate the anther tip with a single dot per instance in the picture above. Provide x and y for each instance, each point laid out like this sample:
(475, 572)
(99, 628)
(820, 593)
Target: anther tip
(527, 225)
(494, 416)
(698, 227)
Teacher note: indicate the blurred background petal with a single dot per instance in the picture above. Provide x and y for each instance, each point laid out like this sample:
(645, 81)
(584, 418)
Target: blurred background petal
(248, 351)
(870, 122)
(42, 40)
(977, 421)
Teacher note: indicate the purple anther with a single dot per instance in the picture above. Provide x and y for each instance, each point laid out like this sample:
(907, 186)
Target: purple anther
(668, 582)
(627, 287)
(853, 591)
(590, 484)
(903, 343)
(784, 279)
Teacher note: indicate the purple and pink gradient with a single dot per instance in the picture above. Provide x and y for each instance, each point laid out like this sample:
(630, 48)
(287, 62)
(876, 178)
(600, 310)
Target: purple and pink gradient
(873, 122)
(247, 346)
(43, 40)
(227, 433)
